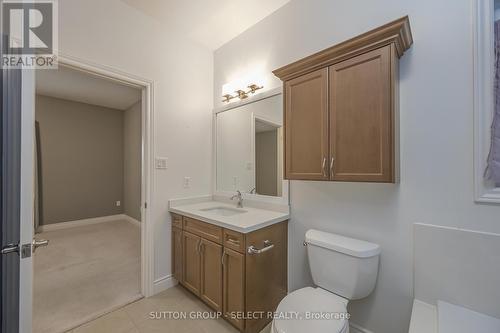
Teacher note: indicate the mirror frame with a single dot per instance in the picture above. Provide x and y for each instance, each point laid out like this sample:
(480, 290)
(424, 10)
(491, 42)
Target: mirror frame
(284, 199)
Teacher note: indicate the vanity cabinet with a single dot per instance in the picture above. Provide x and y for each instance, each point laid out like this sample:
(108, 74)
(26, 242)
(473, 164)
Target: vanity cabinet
(211, 274)
(232, 272)
(191, 276)
(234, 287)
(341, 109)
(177, 251)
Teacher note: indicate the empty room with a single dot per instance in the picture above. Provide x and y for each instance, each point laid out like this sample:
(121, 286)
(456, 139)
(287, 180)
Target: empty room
(88, 198)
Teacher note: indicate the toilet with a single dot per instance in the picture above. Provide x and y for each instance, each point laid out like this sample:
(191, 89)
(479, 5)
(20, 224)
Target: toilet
(342, 269)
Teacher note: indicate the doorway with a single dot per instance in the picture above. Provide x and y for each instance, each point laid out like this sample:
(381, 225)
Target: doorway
(91, 189)
(268, 165)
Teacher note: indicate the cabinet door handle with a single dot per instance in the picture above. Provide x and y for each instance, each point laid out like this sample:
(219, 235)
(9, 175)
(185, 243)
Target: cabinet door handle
(198, 246)
(222, 259)
(323, 165)
(332, 163)
(267, 246)
(233, 241)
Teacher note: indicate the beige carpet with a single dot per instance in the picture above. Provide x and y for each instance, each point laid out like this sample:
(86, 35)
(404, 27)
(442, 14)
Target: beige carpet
(85, 272)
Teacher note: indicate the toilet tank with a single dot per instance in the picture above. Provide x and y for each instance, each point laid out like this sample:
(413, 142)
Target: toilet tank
(344, 266)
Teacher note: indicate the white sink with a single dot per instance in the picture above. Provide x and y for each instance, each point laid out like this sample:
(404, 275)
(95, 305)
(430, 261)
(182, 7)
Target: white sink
(224, 211)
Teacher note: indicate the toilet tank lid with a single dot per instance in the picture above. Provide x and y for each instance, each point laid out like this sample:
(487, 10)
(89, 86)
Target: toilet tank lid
(350, 246)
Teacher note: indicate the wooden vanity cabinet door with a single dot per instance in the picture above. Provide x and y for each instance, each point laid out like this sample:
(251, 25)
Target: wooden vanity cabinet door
(306, 127)
(266, 284)
(191, 262)
(362, 118)
(177, 261)
(211, 274)
(234, 287)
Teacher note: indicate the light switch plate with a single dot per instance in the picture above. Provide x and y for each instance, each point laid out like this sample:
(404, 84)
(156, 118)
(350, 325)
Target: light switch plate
(161, 163)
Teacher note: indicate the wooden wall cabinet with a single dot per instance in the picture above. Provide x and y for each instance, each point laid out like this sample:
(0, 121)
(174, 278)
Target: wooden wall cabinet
(306, 126)
(217, 267)
(342, 109)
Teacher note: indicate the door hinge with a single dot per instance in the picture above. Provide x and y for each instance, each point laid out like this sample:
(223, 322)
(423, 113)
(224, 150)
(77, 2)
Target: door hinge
(145, 205)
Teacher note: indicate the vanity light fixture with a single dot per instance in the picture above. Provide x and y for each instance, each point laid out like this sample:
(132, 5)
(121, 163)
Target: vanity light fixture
(228, 98)
(242, 94)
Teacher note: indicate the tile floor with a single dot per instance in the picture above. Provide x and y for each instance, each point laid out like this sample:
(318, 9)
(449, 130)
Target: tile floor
(134, 318)
(85, 272)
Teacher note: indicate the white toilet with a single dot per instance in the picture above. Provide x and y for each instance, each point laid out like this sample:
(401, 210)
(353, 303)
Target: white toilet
(344, 269)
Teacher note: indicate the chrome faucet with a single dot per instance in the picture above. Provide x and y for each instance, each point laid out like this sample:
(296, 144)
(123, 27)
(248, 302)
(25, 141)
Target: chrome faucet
(240, 199)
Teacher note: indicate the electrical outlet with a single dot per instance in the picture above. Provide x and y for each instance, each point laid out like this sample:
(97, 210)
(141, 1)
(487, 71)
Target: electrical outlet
(118, 203)
(187, 182)
(235, 180)
(161, 163)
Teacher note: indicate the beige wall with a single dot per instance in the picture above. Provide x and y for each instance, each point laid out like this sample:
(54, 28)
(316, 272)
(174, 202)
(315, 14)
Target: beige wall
(266, 163)
(132, 161)
(82, 160)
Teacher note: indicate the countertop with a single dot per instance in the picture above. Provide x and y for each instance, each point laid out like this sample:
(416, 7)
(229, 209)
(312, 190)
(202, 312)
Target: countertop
(251, 220)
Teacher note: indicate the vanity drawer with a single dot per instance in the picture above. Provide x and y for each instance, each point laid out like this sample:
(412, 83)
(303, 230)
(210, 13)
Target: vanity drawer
(234, 240)
(177, 221)
(208, 231)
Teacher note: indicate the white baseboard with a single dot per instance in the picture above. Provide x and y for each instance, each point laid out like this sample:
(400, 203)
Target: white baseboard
(163, 284)
(132, 220)
(354, 328)
(80, 223)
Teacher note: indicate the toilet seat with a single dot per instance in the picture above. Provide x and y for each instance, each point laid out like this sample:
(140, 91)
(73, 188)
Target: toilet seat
(299, 312)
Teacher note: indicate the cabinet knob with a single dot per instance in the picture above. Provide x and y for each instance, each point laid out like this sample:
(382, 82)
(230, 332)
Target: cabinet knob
(323, 165)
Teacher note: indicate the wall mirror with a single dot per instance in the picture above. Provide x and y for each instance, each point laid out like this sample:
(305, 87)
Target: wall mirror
(249, 147)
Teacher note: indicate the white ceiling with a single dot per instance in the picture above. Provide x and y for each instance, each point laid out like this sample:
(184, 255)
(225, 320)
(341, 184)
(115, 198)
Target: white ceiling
(74, 85)
(209, 22)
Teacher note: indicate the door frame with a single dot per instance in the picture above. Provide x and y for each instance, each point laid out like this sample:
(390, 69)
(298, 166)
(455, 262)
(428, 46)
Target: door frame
(27, 174)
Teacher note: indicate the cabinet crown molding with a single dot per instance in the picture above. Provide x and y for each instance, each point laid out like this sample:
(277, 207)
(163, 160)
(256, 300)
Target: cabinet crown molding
(397, 32)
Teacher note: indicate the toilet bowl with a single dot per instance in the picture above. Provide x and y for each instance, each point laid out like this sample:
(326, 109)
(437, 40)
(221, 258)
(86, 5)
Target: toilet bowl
(311, 310)
(343, 269)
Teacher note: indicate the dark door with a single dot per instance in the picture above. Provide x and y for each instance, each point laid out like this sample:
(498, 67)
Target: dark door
(10, 146)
